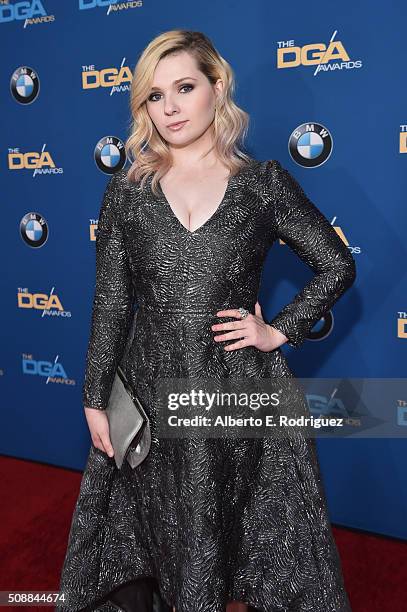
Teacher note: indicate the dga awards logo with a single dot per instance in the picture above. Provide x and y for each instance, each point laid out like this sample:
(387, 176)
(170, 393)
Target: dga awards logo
(24, 85)
(52, 371)
(34, 229)
(403, 139)
(326, 57)
(355, 250)
(112, 6)
(402, 413)
(310, 145)
(118, 80)
(402, 324)
(93, 228)
(32, 12)
(49, 304)
(41, 162)
(110, 155)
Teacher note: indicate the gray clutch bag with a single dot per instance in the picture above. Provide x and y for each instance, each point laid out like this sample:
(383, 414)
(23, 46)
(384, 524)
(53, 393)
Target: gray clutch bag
(129, 425)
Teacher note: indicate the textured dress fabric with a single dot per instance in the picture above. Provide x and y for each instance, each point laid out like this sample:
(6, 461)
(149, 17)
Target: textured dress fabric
(212, 520)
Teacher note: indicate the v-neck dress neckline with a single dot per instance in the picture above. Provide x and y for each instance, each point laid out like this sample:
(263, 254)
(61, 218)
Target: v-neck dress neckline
(163, 199)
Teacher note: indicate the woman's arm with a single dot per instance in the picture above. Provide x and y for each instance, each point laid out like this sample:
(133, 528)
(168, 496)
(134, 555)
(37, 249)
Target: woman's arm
(113, 302)
(301, 225)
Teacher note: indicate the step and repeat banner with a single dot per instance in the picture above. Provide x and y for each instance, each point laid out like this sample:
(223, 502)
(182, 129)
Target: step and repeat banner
(325, 92)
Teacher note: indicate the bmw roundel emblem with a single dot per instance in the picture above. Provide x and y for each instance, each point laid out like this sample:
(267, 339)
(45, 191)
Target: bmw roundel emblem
(110, 154)
(322, 328)
(310, 144)
(34, 229)
(24, 85)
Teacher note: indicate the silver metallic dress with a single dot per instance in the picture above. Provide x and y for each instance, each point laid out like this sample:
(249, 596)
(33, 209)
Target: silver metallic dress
(210, 520)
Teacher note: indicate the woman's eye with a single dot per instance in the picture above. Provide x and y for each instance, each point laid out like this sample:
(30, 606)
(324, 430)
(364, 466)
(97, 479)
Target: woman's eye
(191, 86)
(151, 97)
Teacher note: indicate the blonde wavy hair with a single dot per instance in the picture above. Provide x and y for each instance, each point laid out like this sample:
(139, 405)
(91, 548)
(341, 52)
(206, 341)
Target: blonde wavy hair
(147, 150)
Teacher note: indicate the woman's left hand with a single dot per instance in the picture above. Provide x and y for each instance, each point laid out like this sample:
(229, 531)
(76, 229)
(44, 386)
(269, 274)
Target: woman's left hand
(252, 330)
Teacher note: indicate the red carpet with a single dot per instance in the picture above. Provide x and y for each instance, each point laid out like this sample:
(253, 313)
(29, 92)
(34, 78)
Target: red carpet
(35, 517)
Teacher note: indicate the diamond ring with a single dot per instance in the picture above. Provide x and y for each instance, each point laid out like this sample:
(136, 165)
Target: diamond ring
(243, 312)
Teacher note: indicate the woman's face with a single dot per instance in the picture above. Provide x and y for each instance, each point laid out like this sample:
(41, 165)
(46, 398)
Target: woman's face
(181, 92)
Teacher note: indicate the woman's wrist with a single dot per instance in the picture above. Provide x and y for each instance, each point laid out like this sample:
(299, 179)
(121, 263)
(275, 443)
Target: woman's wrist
(280, 336)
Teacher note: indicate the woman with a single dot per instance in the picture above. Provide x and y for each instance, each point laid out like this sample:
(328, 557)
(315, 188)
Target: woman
(210, 524)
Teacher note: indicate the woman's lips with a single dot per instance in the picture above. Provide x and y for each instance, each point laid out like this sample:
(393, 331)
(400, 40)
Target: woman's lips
(177, 126)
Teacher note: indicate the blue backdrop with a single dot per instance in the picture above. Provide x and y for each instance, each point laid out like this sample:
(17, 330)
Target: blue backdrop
(323, 86)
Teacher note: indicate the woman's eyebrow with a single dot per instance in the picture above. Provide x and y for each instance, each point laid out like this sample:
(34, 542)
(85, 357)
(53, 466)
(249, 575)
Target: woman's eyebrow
(177, 81)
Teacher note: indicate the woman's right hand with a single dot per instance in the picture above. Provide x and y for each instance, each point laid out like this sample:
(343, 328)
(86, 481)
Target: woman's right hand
(99, 429)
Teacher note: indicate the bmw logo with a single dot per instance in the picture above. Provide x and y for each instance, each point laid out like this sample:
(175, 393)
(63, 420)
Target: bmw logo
(322, 328)
(110, 154)
(34, 229)
(24, 85)
(310, 145)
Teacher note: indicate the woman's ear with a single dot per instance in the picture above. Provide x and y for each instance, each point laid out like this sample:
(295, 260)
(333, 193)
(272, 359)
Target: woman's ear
(218, 88)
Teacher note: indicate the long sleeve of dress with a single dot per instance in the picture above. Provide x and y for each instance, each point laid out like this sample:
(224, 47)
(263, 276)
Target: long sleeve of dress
(113, 301)
(303, 227)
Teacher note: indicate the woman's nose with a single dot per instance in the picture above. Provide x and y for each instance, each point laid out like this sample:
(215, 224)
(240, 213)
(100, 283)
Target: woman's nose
(170, 107)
